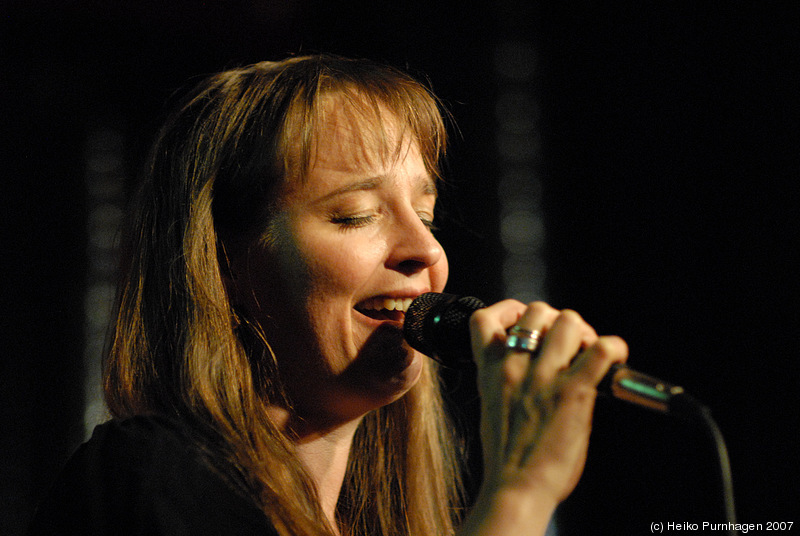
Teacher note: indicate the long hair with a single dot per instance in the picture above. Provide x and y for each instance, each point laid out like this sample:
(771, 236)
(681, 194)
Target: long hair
(181, 347)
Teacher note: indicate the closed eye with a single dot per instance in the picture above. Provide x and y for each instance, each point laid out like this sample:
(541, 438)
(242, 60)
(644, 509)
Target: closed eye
(427, 220)
(352, 222)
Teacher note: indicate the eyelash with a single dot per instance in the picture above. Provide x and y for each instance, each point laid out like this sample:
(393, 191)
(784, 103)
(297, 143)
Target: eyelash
(354, 222)
(429, 224)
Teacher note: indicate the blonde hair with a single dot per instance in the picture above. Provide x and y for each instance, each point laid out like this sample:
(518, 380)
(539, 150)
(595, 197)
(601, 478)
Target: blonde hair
(181, 348)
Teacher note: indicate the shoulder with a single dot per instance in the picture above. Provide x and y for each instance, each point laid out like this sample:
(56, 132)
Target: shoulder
(144, 475)
(136, 433)
(137, 440)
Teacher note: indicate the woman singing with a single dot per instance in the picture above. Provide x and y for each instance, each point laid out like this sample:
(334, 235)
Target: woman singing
(257, 374)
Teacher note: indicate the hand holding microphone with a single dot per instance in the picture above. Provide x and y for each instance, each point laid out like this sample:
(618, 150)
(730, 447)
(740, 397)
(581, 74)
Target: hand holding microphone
(438, 326)
(539, 370)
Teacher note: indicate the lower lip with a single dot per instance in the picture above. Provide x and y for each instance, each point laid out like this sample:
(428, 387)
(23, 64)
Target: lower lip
(380, 321)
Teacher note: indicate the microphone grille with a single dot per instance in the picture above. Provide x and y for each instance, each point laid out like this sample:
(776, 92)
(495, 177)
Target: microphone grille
(437, 325)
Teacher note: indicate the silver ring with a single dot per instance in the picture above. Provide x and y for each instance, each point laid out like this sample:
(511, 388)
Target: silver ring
(527, 343)
(517, 330)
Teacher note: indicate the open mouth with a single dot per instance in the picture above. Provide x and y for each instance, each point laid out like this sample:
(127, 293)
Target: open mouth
(384, 308)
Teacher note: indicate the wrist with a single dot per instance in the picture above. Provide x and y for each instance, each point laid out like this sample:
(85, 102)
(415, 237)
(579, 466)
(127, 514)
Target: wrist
(510, 511)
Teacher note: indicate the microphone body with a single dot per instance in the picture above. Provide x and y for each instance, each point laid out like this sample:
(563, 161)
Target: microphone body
(438, 326)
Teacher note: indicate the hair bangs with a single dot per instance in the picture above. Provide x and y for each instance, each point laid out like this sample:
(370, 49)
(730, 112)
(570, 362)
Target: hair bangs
(388, 110)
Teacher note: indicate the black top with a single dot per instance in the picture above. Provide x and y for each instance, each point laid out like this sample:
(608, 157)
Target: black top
(145, 476)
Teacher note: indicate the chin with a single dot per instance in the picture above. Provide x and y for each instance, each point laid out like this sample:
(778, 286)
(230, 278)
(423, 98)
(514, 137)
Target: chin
(388, 393)
(409, 376)
(386, 366)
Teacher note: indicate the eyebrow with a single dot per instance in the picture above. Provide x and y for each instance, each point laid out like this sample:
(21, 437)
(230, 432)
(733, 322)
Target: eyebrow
(428, 186)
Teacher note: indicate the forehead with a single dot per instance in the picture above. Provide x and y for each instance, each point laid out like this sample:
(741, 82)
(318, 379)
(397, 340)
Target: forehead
(349, 139)
(353, 140)
(349, 159)
(357, 134)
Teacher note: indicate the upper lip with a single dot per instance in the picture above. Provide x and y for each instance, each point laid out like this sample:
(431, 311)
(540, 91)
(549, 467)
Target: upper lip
(398, 300)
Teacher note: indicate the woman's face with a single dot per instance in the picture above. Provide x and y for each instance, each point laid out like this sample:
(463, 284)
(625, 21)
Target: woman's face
(351, 246)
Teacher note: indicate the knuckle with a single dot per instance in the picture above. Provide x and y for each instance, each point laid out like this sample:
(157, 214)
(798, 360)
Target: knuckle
(611, 346)
(538, 377)
(539, 307)
(571, 318)
(513, 371)
(478, 317)
(481, 320)
(578, 391)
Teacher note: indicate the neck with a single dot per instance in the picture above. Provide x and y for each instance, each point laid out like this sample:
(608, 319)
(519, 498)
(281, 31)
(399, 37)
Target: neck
(323, 452)
(324, 456)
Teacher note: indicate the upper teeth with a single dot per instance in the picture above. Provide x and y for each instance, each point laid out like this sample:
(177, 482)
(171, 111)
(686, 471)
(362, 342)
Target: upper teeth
(390, 304)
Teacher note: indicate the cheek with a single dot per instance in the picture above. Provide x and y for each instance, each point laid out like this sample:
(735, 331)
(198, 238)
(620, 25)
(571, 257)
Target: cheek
(439, 273)
(341, 266)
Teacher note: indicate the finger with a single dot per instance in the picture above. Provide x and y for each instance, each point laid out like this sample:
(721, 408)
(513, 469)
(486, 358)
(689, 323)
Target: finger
(570, 409)
(568, 334)
(488, 331)
(538, 316)
(522, 413)
(593, 363)
(488, 325)
(537, 319)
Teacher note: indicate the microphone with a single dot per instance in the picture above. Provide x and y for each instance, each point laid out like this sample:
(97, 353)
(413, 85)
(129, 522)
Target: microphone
(438, 326)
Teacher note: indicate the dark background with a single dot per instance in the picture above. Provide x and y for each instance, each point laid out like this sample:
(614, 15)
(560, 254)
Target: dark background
(670, 157)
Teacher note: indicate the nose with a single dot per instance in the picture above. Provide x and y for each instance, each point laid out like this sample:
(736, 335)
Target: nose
(413, 247)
